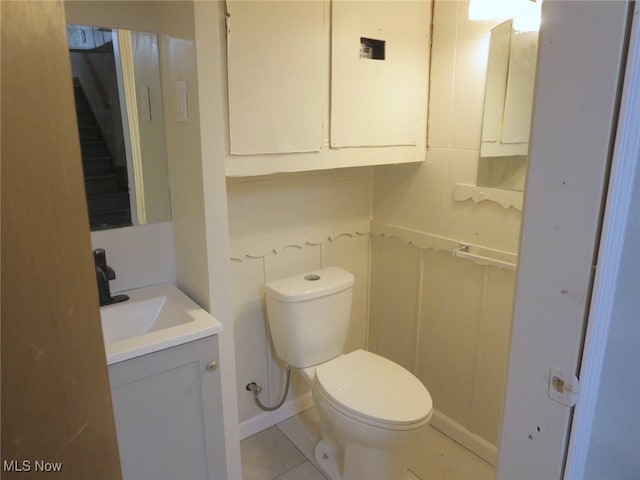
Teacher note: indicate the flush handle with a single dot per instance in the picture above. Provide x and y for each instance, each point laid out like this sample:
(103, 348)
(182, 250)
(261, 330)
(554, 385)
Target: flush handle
(212, 367)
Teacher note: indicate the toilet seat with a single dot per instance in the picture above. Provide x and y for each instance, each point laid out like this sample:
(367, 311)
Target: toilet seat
(374, 390)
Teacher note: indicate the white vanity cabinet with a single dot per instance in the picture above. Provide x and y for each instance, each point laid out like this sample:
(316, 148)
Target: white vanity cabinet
(317, 84)
(168, 413)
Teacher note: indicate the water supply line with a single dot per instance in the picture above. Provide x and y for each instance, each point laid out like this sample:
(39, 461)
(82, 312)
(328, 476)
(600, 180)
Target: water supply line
(256, 389)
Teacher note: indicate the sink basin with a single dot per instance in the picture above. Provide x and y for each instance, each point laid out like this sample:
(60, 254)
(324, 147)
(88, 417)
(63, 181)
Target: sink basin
(152, 319)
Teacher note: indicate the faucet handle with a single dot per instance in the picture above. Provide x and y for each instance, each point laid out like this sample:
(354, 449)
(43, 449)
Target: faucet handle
(100, 257)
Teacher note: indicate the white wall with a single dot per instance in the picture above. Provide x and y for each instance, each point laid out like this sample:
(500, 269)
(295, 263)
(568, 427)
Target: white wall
(178, 63)
(420, 197)
(140, 256)
(444, 318)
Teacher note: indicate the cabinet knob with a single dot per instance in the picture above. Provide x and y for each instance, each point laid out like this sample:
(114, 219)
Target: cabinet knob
(212, 367)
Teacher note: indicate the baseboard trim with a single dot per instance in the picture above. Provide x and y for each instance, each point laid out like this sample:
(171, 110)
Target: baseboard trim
(464, 437)
(264, 420)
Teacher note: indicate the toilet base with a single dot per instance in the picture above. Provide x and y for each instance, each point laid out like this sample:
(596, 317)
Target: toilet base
(326, 461)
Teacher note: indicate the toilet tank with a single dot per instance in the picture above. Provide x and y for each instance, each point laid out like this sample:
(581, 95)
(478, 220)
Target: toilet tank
(309, 314)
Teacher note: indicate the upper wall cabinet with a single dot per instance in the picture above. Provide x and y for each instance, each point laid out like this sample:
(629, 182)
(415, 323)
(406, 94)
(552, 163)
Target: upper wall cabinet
(315, 84)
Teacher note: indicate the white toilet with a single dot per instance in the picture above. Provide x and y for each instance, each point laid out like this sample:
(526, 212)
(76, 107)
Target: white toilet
(371, 409)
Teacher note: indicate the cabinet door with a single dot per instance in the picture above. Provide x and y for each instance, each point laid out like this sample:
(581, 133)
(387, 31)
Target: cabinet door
(277, 63)
(379, 71)
(168, 411)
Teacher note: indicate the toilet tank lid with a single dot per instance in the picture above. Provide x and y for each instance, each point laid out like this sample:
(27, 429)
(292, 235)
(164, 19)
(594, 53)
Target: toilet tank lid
(309, 285)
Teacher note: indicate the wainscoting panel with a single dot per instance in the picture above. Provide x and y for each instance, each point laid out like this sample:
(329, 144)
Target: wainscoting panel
(394, 297)
(351, 252)
(493, 353)
(446, 319)
(451, 306)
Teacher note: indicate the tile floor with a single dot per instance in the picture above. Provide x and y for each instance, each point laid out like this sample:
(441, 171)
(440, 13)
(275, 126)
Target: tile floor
(285, 452)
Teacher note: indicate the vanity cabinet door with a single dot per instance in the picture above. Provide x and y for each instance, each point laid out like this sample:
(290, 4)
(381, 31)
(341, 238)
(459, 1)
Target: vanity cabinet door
(168, 413)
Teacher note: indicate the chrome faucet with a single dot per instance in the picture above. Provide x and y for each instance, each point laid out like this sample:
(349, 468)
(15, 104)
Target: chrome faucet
(104, 273)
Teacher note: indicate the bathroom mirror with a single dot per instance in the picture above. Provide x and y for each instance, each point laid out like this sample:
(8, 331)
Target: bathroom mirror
(508, 101)
(118, 96)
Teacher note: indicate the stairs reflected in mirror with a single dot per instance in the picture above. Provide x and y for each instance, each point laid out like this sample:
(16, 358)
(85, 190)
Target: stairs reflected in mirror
(106, 185)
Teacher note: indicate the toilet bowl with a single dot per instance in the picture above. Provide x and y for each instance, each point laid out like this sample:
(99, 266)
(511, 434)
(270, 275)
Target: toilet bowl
(371, 412)
(371, 409)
